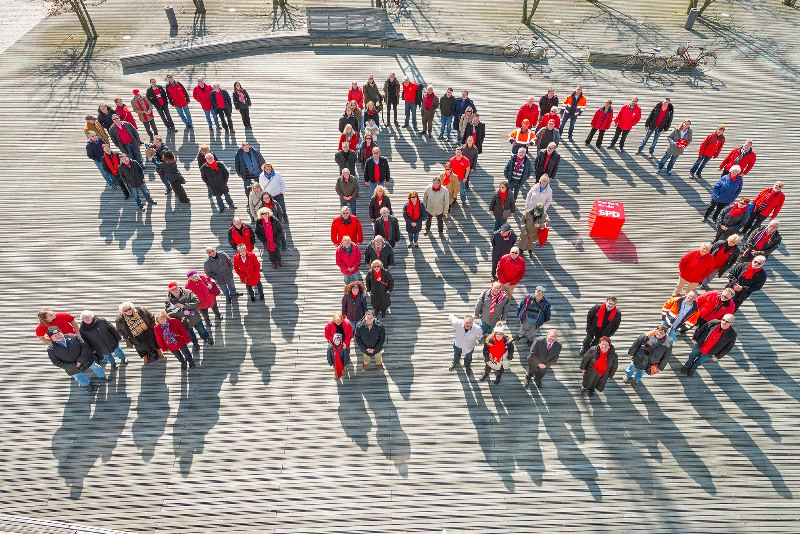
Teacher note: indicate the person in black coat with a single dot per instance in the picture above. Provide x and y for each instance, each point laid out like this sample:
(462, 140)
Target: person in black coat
(649, 354)
(248, 165)
(724, 246)
(370, 336)
(104, 114)
(111, 163)
(346, 159)
(704, 345)
(388, 227)
(265, 217)
(502, 240)
(548, 102)
(380, 284)
(747, 278)
(414, 213)
(348, 117)
(379, 201)
(602, 320)
(169, 169)
(731, 219)
(354, 301)
(477, 129)
(160, 101)
(132, 175)
(241, 101)
(546, 162)
(73, 355)
(215, 174)
(653, 125)
(599, 363)
(386, 254)
(517, 170)
(370, 179)
(102, 338)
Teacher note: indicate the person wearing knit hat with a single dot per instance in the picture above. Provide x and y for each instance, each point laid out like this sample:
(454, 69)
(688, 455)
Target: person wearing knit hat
(183, 304)
(73, 355)
(206, 291)
(338, 356)
(144, 109)
(532, 222)
(497, 351)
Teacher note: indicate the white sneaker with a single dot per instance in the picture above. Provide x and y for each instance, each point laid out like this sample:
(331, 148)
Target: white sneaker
(466, 202)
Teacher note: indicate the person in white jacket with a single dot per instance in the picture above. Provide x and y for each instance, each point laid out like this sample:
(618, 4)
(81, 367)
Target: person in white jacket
(272, 182)
(540, 193)
(467, 335)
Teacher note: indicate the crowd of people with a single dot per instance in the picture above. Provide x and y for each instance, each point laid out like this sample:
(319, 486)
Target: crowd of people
(533, 164)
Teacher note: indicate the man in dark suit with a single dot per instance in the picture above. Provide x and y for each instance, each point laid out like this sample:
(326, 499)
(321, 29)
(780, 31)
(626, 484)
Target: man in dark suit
(477, 130)
(544, 353)
(546, 162)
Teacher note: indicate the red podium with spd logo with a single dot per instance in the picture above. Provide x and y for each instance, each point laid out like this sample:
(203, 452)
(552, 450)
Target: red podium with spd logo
(606, 219)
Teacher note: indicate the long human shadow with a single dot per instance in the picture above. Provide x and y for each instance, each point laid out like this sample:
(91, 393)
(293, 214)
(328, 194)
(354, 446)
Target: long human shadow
(143, 241)
(352, 411)
(710, 409)
(262, 349)
(772, 313)
(402, 325)
(81, 439)
(113, 225)
(564, 229)
(660, 424)
(152, 408)
(287, 313)
(177, 223)
(563, 198)
(433, 282)
(187, 153)
(558, 274)
(391, 437)
(451, 270)
(562, 421)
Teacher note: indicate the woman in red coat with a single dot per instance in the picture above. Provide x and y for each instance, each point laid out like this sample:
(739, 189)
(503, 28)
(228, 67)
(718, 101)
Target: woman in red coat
(339, 324)
(710, 149)
(602, 122)
(124, 113)
(172, 335)
(626, 119)
(349, 136)
(206, 291)
(743, 156)
(248, 268)
(694, 267)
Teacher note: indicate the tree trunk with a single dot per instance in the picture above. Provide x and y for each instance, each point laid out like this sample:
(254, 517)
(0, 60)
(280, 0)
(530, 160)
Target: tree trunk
(83, 17)
(199, 6)
(705, 5)
(533, 10)
(524, 11)
(692, 4)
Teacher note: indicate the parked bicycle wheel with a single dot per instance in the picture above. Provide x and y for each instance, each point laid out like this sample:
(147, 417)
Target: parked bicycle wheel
(630, 62)
(512, 50)
(706, 63)
(655, 64)
(537, 53)
(674, 63)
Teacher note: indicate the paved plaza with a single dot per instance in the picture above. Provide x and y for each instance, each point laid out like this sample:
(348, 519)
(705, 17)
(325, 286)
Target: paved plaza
(259, 437)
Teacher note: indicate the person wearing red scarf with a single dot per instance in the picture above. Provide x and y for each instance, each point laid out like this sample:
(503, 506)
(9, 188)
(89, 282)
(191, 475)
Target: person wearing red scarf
(437, 202)
(338, 356)
(602, 320)
(731, 219)
(713, 340)
(387, 227)
(413, 213)
(497, 348)
(268, 231)
(380, 284)
(502, 205)
(747, 278)
(430, 103)
(215, 175)
(767, 204)
(714, 305)
(763, 242)
(379, 200)
(599, 363)
(725, 254)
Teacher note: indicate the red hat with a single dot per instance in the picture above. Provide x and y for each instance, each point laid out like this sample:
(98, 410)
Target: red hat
(526, 122)
(136, 91)
(172, 285)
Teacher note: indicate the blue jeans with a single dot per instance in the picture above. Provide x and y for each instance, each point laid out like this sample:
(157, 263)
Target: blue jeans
(673, 333)
(447, 122)
(498, 223)
(133, 153)
(485, 327)
(118, 352)
(372, 186)
(564, 118)
(279, 199)
(647, 134)
(629, 372)
(411, 109)
(671, 158)
(463, 192)
(700, 164)
(210, 113)
(515, 186)
(696, 358)
(84, 380)
(201, 329)
(457, 356)
(252, 293)
(109, 180)
(228, 199)
(351, 204)
(228, 288)
(413, 237)
(183, 113)
(143, 189)
(354, 277)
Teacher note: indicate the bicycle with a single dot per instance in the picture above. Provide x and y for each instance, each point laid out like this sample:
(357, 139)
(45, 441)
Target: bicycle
(651, 61)
(704, 61)
(535, 52)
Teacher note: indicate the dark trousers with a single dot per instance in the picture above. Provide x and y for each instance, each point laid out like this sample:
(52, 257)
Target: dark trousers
(439, 221)
(495, 261)
(204, 312)
(274, 255)
(716, 207)
(457, 353)
(389, 106)
(165, 117)
(180, 191)
(619, 131)
(122, 186)
(498, 373)
(592, 338)
(539, 373)
(755, 221)
(599, 136)
(150, 126)
(245, 111)
(183, 354)
(251, 291)
(223, 115)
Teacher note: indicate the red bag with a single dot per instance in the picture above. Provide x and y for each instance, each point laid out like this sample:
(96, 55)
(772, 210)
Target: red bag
(212, 286)
(681, 143)
(543, 233)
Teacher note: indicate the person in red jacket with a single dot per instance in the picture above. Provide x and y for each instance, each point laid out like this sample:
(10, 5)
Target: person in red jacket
(202, 93)
(247, 266)
(710, 149)
(339, 324)
(529, 110)
(626, 119)
(346, 225)
(348, 258)
(202, 286)
(547, 117)
(179, 97)
(601, 122)
(124, 113)
(409, 90)
(172, 335)
(510, 271)
(241, 234)
(355, 93)
(768, 204)
(694, 267)
(743, 156)
(714, 304)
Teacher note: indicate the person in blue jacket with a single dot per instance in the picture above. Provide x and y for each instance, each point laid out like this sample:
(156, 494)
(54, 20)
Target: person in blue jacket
(533, 311)
(222, 105)
(459, 108)
(725, 191)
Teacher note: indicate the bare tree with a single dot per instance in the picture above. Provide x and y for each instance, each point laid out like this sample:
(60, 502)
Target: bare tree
(527, 17)
(79, 8)
(693, 4)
